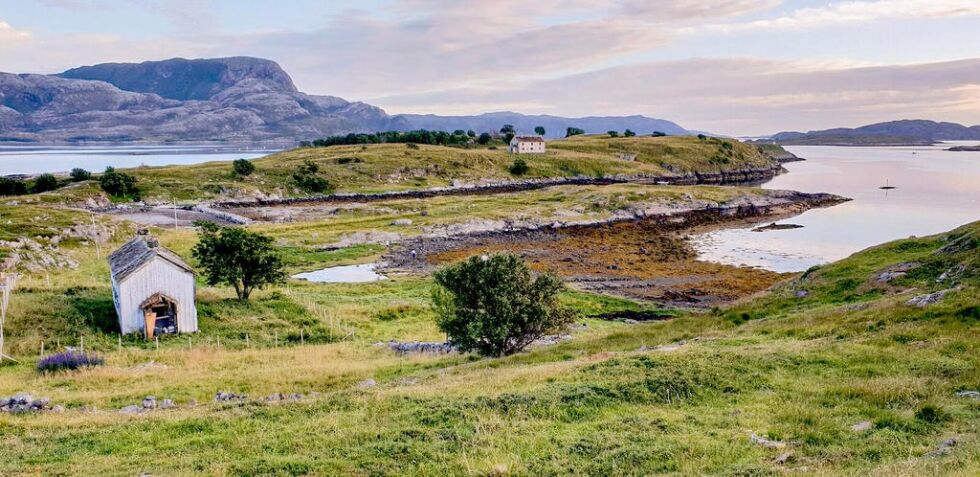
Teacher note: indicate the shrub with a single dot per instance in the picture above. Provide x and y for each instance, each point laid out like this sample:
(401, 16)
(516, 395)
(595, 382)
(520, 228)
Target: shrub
(519, 167)
(484, 138)
(78, 174)
(569, 132)
(496, 306)
(118, 184)
(306, 178)
(242, 167)
(662, 134)
(44, 183)
(68, 360)
(12, 186)
(539, 130)
(629, 133)
(234, 256)
(930, 413)
(613, 133)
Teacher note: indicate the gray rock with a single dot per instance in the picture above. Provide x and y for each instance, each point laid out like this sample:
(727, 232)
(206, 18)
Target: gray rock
(149, 402)
(861, 426)
(367, 383)
(630, 321)
(58, 409)
(167, 404)
(21, 398)
(969, 394)
(784, 458)
(922, 301)
(801, 293)
(889, 276)
(131, 409)
(767, 443)
(229, 396)
(402, 222)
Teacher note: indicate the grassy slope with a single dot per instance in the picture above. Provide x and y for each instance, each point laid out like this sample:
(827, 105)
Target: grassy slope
(384, 167)
(799, 370)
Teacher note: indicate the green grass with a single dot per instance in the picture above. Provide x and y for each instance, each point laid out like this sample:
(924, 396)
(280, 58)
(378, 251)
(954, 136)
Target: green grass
(800, 370)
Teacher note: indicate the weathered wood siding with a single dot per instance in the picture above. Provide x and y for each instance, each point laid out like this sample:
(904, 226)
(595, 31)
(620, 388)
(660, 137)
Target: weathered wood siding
(157, 276)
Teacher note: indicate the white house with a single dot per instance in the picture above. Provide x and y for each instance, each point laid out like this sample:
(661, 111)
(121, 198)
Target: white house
(153, 289)
(526, 145)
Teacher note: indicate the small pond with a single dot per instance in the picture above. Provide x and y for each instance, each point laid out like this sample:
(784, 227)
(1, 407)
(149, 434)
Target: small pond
(343, 274)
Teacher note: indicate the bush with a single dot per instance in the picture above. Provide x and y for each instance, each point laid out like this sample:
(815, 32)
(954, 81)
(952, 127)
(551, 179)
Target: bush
(519, 167)
(496, 306)
(44, 183)
(931, 414)
(68, 360)
(662, 134)
(12, 186)
(118, 184)
(569, 132)
(485, 138)
(629, 133)
(234, 256)
(242, 167)
(613, 133)
(78, 175)
(306, 178)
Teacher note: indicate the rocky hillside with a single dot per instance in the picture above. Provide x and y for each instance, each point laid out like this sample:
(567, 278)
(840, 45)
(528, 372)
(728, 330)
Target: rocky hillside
(904, 132)
(226, 99)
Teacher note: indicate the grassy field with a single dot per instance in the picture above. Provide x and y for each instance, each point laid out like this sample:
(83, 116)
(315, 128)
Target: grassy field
(679, 397)
(392, 167)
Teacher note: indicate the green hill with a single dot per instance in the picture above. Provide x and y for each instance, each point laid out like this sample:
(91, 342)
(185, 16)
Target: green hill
(837, 371)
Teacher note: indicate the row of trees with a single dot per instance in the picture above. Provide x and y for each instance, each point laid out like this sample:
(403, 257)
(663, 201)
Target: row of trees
(118, 184)
(420, 136)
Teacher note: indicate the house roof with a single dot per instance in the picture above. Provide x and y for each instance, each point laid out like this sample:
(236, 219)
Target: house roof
(528, 138)
(139, 251)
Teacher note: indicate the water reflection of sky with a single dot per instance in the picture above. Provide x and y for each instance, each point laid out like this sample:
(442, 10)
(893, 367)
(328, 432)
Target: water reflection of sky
(34, 160)
(343, 274)
(936, 191)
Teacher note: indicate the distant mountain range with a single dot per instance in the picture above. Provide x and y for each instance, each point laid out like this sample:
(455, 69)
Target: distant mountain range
(238, 99)
(892, 133)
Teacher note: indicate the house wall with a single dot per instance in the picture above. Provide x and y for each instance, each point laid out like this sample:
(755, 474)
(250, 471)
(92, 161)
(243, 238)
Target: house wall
(157, 276)
(526, 147)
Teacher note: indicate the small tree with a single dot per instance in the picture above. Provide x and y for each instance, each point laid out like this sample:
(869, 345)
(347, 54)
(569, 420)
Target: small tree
(471, 133)
(629, 133)
(508, 137)
(613, 134)
(307, 179)
(118, 184)
(519, 167)
(459, 132)
(702, 137)
(496, 306)
(662, 134)
(507, 128)
(242, 167)
(234, 256)
(539, 130)
(78, 175)
(44, 183)
(569, 132)
(485, 138)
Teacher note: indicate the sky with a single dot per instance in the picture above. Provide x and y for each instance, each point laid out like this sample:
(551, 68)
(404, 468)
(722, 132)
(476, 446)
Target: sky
(743, 67)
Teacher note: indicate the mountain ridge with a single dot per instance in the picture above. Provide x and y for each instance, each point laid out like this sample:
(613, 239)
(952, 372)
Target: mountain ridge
(234, 99)
(899, 132)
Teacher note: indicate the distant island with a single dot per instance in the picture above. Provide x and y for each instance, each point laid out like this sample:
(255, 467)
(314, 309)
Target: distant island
(235, 100)
(916, 132)
(975, 148)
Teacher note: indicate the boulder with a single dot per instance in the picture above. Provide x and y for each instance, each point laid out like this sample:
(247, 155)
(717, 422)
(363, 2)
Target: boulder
(149, 402)
(131, 409)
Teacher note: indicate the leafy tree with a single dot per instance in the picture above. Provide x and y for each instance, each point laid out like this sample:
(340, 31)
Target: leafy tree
(118, 184)
(459, 132)
(662, 134)
(242, 167)
(234, 256)
(44, 183)
(628, 133)
(613, 133)
(10, 186)
(519, 167)
(508, 137)
(485, 138)
(496, 306)
(471, 133)
(78, 175)
(507, 128)
(569, 132)
(702, 137)
(539, 130)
